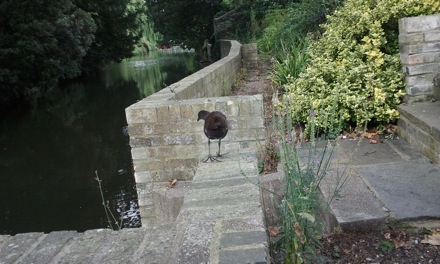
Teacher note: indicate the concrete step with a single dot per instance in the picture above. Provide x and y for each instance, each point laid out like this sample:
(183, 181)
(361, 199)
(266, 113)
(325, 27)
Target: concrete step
(139, 245)
(419, 125)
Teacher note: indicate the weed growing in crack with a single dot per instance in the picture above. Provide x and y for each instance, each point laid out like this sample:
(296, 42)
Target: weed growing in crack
(306, 161)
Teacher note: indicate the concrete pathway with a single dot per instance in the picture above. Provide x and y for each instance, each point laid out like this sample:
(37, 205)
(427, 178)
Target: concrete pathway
(383, 180)
(221, 220)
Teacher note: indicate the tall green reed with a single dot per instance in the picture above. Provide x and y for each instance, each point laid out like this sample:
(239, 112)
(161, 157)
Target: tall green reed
(306, 160)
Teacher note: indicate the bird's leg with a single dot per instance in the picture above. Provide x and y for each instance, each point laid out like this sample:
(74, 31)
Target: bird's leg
(218, 153)
(211, 158)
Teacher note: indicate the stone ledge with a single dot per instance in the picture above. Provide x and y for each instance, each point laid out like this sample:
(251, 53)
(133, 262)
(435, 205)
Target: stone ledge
(420, 126)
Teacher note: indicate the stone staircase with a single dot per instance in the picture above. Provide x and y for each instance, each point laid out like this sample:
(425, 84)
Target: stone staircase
(220, 221)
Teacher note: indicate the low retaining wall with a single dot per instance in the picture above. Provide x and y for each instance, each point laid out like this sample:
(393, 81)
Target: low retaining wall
(419, 41)
(419, 122)
(166, 139)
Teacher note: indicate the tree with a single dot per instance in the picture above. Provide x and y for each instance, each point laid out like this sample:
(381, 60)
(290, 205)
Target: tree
(119, 28)
(41, 41)
(187, 22)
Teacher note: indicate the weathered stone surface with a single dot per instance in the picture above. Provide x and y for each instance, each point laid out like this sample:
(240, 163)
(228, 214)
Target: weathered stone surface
(16, 247)
(250, 255)
(49, 247)
(419, 24)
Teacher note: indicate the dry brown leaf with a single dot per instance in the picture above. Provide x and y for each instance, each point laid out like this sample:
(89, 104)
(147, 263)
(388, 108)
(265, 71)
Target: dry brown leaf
(347, 251)
(373, 141)
(369, 135)
(299, 233)
(171, 183)
(387, 236)
(433, 239)
(274, 230)
(404, 244)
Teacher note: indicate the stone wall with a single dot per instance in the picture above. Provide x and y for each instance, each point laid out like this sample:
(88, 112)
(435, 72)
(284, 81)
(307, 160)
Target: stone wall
(419, 43)
(166, 139)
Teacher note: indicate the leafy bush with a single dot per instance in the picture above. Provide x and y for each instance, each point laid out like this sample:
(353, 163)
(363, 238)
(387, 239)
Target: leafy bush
(354, 68)
(295, 19)
(294, 61)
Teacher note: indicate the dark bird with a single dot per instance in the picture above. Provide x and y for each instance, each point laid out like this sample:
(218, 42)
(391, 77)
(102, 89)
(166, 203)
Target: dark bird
(215, 127)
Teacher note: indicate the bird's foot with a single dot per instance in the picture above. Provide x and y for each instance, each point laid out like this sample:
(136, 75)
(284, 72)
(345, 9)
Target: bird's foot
(211, 158)
(221, 155)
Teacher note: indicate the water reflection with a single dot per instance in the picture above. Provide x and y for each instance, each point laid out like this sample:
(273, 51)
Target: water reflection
(48, 158)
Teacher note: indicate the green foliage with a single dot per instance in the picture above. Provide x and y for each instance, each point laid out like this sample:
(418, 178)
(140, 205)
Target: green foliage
(386, 246)
(292, 64)
(248, 15)
(355, 65)
(299, 208)
(187, 22)
(150, 39)
(307, 161)
(295, 19)
(119, 28)
(40, 42)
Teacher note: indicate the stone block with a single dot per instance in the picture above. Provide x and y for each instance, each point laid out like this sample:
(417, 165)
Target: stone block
(432, 36)
(49, 247)
(249, 123)
(421, 58)
(423, 68)
(423, 47)
(420, 80)
(425, 138)
(137, 142)
(142, 177)
(196, 242)
(168, 201)
(87, 247)
(243, 224)
(419, 23)
(242, 238)
(174, 113)
(162, 114)
(184, 139)
(18, 245)
(187, 113)
(232, 109)
(171, 173)
(420, 90)
(411, 38)
(139, 153)
(248, 255)
(430, 153)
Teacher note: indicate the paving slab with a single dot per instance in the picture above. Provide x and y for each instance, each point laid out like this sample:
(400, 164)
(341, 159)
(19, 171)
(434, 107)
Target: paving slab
(354, 205)
(49, 247)
(384, 180)
(410, 189)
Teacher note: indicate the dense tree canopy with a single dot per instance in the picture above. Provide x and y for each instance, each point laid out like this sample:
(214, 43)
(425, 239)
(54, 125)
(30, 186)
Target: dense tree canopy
(187, 22)
(119, 25)
(43, 41)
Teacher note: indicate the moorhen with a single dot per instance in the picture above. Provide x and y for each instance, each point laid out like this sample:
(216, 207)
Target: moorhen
(215, 127)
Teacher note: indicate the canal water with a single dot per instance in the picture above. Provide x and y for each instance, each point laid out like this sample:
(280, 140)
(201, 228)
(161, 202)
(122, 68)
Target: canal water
(49, 158)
